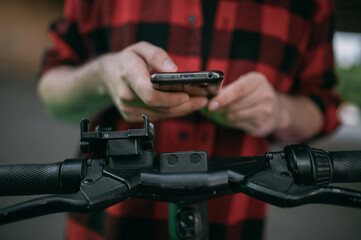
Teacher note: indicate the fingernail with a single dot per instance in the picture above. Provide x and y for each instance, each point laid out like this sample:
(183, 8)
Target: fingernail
(204, 103)
(183, 100)
(214, 105)
(169, 65)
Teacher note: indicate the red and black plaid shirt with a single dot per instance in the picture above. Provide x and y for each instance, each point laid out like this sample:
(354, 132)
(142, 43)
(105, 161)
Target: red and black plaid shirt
(288, 41)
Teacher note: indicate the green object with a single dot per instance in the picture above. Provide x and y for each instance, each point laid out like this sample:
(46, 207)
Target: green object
(349, 85)
(217, 117)
(172, 223)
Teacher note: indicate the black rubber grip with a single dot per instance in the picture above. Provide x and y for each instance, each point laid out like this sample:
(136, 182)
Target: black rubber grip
(346, 166)
(29, 179)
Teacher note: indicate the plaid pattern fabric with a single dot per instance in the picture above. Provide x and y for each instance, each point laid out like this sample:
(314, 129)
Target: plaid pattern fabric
(288, 41)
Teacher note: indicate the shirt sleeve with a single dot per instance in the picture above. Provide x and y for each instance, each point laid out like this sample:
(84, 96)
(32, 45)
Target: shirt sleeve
(68, 41)
(318, 79)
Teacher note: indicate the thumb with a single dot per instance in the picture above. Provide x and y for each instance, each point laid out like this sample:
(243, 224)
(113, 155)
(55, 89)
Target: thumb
(155, 57)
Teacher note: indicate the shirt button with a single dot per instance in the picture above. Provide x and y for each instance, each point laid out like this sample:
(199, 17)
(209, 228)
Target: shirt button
(183, 136)
(192, 19)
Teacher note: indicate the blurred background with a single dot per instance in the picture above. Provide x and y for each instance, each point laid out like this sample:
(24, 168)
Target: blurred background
(29, 135)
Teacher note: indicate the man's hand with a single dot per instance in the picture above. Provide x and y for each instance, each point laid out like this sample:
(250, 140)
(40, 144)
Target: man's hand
(126, 76)
(249, 103)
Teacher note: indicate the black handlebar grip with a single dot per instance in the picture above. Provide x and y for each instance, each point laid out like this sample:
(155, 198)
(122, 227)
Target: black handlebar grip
(346, 166)
(312, 166)
(29, 179)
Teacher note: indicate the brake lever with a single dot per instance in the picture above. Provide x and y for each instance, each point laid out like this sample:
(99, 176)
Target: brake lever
(276, 185)
(99, 189)
(102, 190)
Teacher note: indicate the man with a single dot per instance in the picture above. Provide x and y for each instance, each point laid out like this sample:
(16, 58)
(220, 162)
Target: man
(278, 64)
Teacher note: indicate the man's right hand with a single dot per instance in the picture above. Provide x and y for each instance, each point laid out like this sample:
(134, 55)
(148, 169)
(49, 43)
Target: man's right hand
(126, 76)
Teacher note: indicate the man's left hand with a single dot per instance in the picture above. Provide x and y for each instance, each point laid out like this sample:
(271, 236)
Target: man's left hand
(249, 103)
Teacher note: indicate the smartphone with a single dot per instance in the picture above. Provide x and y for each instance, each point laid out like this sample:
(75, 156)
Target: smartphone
(202, 83)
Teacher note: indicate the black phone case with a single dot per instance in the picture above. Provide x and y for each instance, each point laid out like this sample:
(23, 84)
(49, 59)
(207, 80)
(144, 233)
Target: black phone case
(194, 83)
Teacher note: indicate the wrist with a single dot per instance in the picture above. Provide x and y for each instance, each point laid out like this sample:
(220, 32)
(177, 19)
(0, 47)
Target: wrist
(98, 73)
(299, 119)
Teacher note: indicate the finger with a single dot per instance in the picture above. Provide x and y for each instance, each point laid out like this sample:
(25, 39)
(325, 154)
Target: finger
(241, 87)
(194, 104)
(254, 113)
(134, 113)
(155, 57)
(247, 126)
(249, 122)
(138, 79)
(247, 101)
(255, 129)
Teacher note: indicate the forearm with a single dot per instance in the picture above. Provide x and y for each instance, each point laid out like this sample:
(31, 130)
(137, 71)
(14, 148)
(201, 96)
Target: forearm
(300, 119)
(121, 79)
(71, 93)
